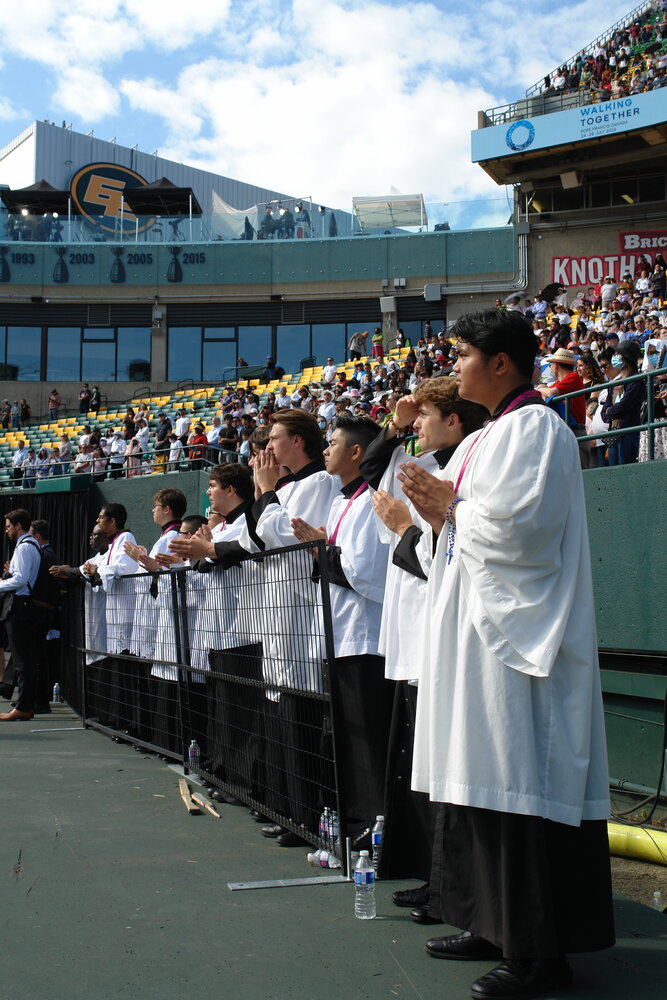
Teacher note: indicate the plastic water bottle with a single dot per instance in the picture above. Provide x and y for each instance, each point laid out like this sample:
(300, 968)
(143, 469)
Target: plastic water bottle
(657, 902)
(57, 697)
(376, 842)
(364, 888)
(334, 831)
(324, 827)
(194, 755)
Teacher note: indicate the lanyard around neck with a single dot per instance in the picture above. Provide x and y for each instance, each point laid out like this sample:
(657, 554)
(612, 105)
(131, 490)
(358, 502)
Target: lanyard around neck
(529, 394)
(358, 492)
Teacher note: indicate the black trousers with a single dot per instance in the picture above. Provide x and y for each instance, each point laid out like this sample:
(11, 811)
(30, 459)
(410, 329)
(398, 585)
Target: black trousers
(25, 629)
(361, 704)
(535, 888)
(409, 817)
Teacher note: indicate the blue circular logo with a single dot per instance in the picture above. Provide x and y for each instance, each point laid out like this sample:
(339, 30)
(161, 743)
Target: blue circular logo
(522, 140)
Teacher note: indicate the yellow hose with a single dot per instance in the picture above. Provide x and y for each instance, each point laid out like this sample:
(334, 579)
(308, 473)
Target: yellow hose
(637, 842)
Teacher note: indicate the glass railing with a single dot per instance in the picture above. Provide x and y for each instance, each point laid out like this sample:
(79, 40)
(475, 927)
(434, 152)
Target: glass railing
(19, 230)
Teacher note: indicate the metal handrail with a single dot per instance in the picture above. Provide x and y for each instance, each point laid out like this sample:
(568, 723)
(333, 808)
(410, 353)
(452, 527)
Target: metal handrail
(650, 425)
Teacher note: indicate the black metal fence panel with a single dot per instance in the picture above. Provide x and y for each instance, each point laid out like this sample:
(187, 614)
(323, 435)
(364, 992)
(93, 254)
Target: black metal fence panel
(234, 659)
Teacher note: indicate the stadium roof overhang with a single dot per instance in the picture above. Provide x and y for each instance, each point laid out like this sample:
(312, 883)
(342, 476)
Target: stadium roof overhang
(605, 152)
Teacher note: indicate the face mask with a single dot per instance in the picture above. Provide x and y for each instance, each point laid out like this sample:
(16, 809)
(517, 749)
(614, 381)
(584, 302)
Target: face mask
(322, 424)
(617, 362)
(653, 360)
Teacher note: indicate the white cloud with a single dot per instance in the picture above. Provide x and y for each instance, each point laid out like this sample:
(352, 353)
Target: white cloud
(86, 93)
(324, 97)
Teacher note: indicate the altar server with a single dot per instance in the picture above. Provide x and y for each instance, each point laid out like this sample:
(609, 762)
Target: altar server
(510, 732)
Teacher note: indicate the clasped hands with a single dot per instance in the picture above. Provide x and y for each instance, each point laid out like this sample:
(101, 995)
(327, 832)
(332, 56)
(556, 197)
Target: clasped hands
(429, 495)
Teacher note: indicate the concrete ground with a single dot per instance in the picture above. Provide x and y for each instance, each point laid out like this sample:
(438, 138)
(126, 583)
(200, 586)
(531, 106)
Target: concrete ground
(113, 890)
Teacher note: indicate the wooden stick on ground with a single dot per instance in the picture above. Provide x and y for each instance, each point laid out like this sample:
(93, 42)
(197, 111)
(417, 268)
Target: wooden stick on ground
(190, 805)
(205, 804)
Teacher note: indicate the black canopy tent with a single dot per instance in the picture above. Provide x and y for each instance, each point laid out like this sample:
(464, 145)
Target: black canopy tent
(162, 198)
(37, 199)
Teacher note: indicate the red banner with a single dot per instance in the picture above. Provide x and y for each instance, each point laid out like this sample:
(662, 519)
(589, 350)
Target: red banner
(586, 271)
(650, 239)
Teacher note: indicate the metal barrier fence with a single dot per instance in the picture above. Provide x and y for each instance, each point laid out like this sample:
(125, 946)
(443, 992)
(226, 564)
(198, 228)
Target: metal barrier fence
(233, 656)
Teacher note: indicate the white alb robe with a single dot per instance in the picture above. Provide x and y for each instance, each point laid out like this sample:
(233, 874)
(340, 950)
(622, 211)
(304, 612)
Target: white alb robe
(292, 644)
(509, 711)
(120, 594)
(356, 612)
(404, 599)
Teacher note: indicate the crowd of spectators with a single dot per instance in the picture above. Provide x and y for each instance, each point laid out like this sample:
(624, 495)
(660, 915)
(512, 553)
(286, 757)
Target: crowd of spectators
(609, 331)
(632, 61)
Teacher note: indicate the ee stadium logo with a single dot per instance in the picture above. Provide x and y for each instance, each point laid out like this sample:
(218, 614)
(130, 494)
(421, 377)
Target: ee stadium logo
(98, 192)
(520, 135)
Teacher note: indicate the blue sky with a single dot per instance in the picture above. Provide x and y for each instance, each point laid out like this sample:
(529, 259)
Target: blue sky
(329, 98)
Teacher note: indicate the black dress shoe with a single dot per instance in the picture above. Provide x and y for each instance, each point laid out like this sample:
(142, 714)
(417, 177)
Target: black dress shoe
(411, 897)
(289, 839)
(220, 796)
(274, 830)
(258, 816)
(420, 915)
(522, 979)
(463, 946)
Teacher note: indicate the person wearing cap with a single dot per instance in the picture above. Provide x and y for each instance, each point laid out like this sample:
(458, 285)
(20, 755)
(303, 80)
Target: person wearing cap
(622, 407)
(563, 365)
(327, 408)
(608, 292)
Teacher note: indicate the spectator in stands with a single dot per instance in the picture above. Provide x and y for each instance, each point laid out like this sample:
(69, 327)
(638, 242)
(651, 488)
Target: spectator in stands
(15, 415)
(117, 453)
(162, 442)
(18, 458)
(84, 458)
(128, 424)
(622, 407)
(657, 284)
(182, 426)
(213, 438)
(65, 453)
(56, 463)
(272, 372)
(54, 403)
(228, 438)
(327, 409)
(329, 373)
(377, 343)
(567, 379)
(42, 463)
(141, 434)
(84, 398)
(283, 401)
(99, 465)
(95, 400)
(133, 458)
(608, 292)
(6, 414)
(357, 345)
(197, 447)
(29, 469)
(176, 452)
